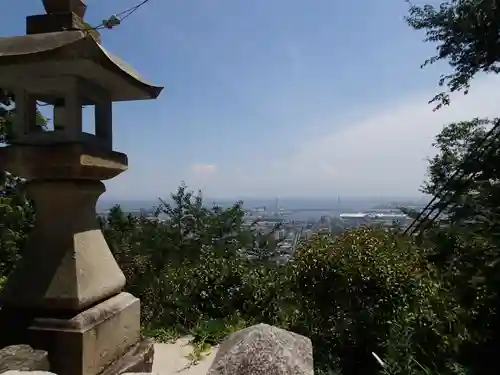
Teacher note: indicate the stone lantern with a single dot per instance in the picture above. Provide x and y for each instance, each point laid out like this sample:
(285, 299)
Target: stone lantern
(67, 294)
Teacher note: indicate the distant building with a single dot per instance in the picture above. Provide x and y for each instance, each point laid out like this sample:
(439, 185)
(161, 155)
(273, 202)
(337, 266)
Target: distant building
(368, 218)
(353, 219)
(307, 234)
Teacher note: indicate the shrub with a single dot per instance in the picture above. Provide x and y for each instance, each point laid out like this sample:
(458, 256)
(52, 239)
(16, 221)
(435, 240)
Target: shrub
(216, 288)
(353, 292)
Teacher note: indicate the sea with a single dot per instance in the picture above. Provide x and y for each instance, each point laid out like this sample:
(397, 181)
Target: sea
(309, 208)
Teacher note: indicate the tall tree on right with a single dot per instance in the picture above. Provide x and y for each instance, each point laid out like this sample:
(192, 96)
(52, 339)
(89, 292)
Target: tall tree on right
(467, 34)
(467, 250)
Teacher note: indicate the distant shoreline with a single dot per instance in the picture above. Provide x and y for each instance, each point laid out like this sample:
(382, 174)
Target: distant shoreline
(347, 203)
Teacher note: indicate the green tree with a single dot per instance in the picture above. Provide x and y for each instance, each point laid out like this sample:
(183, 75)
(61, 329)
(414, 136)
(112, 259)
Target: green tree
(262, 247)
(371, 290)
(192, 225)
(467, 249)
(7, 116)
(16, 214)
(11, 208)
(467, 34)
(472, 192)
(182, 233)
(15, 220)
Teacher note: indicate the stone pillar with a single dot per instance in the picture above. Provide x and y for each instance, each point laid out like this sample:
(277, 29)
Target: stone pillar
(25, 121)
(104, 122)
(68, 265)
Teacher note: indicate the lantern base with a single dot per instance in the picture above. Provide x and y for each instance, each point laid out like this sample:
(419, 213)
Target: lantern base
(104, 339)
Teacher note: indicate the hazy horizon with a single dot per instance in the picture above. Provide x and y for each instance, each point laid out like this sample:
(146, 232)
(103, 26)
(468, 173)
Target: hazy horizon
(348, 203)
(304, 198)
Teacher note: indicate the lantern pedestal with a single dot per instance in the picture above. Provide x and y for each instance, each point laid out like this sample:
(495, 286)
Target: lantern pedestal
(103, 339)
(65, 296)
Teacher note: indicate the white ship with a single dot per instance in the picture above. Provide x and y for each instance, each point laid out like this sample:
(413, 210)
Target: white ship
(359, 218)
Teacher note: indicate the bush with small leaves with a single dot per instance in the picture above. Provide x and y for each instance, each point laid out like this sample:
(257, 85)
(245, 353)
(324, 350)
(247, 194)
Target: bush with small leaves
(352, 291)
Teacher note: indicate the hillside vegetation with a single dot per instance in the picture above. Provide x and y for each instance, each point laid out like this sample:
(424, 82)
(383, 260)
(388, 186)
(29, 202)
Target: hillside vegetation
(426, 304)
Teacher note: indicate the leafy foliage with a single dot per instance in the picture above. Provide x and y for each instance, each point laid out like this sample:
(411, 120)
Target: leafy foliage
(16, 214)
(356, 288)
(186, 242)
(16, 218)
(467, 34)
(473, 195)
(466, 250)
(7, 117)
(6, 105)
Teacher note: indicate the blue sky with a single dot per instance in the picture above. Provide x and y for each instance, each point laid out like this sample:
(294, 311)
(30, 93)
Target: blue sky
(274, 97)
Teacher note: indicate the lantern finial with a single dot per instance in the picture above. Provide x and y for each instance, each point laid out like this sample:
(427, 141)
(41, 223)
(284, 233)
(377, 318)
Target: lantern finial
(77, 7)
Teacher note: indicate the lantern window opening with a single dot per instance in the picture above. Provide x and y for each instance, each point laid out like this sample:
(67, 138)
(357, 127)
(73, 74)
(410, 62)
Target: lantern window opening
(88, 117)
(46, 109)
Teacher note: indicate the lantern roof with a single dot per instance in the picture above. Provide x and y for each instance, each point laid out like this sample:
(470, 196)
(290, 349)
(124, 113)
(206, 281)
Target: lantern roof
(74, 53)
(60, 43)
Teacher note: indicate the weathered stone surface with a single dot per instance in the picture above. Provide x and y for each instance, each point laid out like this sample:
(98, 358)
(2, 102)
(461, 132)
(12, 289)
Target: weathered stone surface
(14, 372)
(264, 350)
(68, 265)
(138, 360)
(93, 340)
(51, 156)
(23, 358)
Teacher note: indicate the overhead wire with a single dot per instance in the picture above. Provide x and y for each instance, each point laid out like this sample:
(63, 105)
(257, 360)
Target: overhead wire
(124, 15)
(442, 201)
(118, 18)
